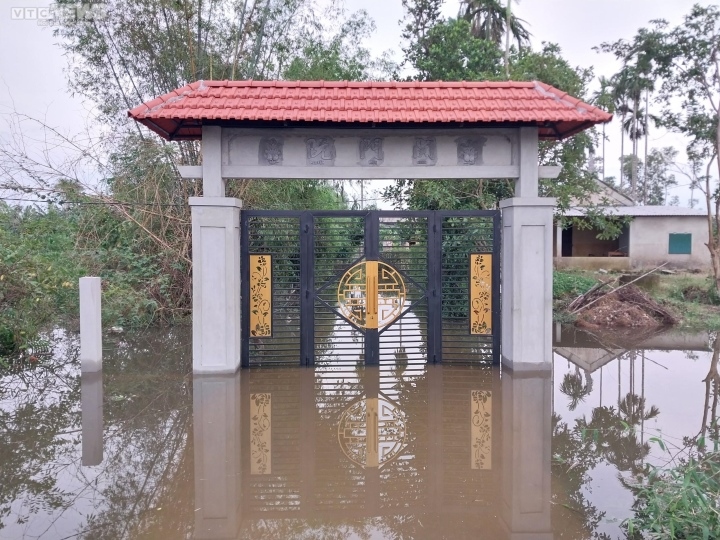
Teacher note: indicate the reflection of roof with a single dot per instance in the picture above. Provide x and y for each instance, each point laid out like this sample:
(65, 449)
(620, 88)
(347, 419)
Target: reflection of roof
(587, 358)
(181, 113)
(640, 211)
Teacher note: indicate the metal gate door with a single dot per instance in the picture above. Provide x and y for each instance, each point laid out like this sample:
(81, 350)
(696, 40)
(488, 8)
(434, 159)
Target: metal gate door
(370, 287)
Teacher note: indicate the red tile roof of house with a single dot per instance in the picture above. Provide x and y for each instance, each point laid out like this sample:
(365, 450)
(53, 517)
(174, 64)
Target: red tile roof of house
(180, 114)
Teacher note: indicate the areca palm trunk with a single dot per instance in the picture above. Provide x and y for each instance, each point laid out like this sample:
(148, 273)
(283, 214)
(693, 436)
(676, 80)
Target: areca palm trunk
(507, 39)
(647, 133)
(633, 136)
(622, 148)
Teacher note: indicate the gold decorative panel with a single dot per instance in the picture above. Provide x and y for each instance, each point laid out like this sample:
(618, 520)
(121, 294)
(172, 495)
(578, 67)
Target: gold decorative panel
(371, 294)
(260, 296)
(481, 429)
(260, 433)
(481, 293)
(372, 432)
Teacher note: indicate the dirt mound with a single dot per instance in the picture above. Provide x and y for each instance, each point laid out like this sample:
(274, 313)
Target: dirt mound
(627, 307)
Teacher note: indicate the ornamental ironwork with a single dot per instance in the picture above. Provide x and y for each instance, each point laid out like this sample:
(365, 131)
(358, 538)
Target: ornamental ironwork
(371, 294)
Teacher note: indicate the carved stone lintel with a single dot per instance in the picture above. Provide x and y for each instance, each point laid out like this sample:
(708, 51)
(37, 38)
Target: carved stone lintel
(320, 151)
(469, 150)
(371, 151)
(271, 151)
(424, 151)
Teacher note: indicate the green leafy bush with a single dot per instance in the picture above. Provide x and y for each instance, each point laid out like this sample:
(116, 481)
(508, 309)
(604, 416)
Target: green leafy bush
(569, 285)
(679, 502)
(696, 290)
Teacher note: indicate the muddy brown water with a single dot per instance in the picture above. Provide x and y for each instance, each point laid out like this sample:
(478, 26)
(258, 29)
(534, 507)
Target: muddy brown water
(404, 451)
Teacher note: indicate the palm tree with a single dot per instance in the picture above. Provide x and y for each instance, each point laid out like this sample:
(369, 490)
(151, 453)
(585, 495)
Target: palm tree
(630, 85)
(574, 387)
(489, 20)
(604, 99)
(622, 106)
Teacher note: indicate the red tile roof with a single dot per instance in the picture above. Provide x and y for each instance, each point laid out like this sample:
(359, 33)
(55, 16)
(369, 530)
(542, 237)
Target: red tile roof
(180, 114)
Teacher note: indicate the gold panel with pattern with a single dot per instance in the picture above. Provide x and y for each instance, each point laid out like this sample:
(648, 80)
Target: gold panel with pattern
(481, 429)
(260, 433)
(371, 294)
(481, 294)
(260, 296)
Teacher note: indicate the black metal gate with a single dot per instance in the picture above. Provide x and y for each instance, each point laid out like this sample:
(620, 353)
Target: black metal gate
(372, 287)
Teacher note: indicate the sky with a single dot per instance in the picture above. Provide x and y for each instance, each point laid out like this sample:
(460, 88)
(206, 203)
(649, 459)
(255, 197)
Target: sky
(32, 78)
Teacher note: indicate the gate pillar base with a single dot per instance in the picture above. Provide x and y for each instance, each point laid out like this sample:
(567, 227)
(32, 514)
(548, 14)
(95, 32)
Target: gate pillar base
(216, 284)
(527, 224)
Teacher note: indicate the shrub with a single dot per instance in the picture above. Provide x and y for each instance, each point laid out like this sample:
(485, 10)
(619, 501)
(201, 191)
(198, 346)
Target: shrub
(570, 285)
(679, 502)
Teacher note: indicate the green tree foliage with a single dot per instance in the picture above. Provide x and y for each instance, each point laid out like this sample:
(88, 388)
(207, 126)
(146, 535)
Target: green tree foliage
(489, 20)
(685, 60)
(654, 177)
(453, 54)
(421, 16)
(38, 273)
(339, 58)
(130, 218)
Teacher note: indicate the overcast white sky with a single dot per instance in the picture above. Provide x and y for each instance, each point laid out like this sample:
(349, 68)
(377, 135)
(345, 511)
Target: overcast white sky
(33, 82)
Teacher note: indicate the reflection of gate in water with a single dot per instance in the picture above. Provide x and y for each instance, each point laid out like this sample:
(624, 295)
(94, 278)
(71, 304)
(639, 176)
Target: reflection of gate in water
(328, 459)
(370, 287)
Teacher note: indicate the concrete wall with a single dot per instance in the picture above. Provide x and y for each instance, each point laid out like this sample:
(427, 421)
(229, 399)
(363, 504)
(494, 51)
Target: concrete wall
(649, 238)
(620, 264)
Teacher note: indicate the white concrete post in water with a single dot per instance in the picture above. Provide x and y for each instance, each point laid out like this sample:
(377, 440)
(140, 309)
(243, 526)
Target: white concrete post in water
(218, 482)
(90, 324)
(91, 399)
(216, 284)
(526, 451)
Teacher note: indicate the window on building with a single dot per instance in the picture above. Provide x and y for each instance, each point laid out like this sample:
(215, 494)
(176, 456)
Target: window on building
(680, 244)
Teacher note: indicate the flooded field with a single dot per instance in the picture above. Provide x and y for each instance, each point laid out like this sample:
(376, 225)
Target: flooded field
(402, 451)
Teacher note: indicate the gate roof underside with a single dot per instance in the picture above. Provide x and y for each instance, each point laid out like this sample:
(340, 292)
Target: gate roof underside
(180, 114)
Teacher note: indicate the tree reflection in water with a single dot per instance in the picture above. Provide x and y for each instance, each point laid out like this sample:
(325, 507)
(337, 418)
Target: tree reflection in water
(615, 433)
(147, 458)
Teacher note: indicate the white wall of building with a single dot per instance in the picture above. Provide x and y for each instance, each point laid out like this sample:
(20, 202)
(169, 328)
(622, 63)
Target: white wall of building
(649, 241)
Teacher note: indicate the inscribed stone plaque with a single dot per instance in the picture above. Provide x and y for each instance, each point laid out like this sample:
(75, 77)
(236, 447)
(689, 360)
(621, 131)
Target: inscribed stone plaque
(424, 151)
(271, 151)
(371, 151)
(320, 151)
(469, 150)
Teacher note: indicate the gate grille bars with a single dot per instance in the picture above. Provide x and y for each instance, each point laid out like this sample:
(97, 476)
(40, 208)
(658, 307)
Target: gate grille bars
(434, 277)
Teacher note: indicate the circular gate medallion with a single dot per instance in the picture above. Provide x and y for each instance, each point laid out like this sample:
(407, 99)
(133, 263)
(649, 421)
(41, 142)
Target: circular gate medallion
(372, 432)
(371, 294)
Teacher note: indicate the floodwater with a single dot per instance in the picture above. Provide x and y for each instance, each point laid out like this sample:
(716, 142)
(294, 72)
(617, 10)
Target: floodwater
(146, 450)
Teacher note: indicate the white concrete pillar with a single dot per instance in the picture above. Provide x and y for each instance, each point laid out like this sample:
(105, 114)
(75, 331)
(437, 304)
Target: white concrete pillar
(216, 432)
(216, 284)
(526, 451)
(90, 324)
(527, 264)
(528, 183)
(91, 401)
(213, 182)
